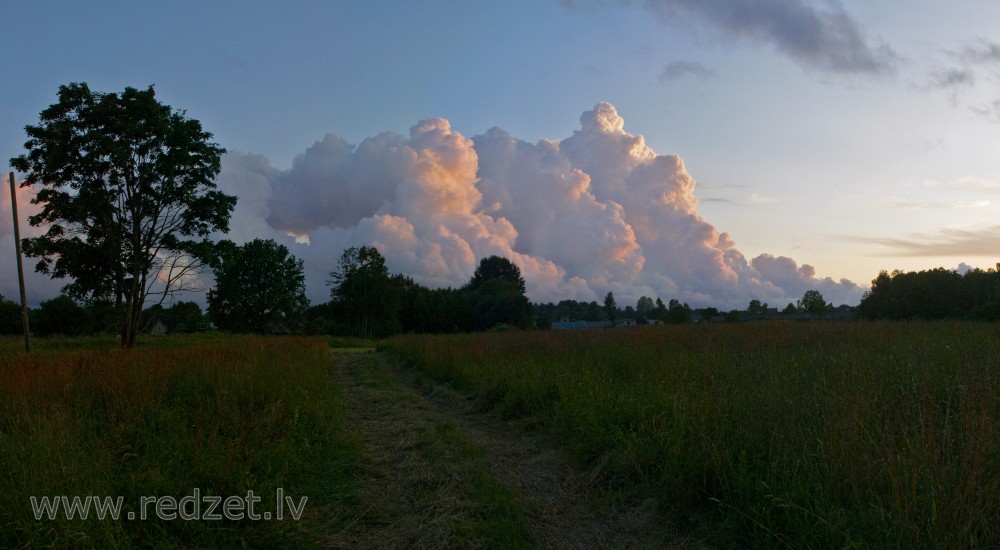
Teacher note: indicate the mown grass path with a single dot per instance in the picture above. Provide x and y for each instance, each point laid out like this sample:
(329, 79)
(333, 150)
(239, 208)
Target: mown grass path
(440, 474)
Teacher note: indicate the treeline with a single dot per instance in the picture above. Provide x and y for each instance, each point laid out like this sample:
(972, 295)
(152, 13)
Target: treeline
(645, 310)
(369, 302)
(63, 316)
(934, 294)
(260, 288)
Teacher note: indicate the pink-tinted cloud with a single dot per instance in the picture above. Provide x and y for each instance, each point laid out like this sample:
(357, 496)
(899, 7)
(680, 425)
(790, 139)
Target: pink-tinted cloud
(597, 211)
(37, 287)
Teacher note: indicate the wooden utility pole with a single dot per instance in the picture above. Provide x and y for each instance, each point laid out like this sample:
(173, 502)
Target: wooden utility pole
(20, 269)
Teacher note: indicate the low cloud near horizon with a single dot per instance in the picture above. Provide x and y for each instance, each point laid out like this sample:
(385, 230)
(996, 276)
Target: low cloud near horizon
(594, 212)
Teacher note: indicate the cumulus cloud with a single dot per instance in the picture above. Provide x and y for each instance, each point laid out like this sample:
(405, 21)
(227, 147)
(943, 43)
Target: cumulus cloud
(596, 211)
(795, 280)
(816, 35)
(414, 197)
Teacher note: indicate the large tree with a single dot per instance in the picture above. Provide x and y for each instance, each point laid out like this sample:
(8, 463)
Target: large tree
(259, 287)
(497, 295)
(497, 267)
(644, 307)
(10, 317)
(60, 315)
(813, 302)
(364, 294)
(125, 185)
(610, 307)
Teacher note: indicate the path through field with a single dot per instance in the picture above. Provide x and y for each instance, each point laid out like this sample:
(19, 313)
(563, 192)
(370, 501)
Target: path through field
(440, 474)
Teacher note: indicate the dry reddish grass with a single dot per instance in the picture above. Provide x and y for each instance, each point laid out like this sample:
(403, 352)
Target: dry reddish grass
(219, 413)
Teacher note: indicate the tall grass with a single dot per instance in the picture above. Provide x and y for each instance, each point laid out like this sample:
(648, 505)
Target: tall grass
(222, 414)
(798, 434)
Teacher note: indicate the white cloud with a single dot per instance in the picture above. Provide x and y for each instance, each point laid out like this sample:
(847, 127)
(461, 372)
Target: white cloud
(597, 211)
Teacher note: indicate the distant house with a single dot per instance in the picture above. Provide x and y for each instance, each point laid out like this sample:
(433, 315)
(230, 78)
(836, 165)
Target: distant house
(279, 326)
(158, 329)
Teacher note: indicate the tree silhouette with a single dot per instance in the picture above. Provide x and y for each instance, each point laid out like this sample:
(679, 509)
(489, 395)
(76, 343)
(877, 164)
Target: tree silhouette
(497, 295)
(610, 307)
(127, 194)
(363, 293)
(497, 267)
(259, 287)
(812, 302)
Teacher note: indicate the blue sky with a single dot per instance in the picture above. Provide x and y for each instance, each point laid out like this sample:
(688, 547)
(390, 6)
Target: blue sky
(874, 147)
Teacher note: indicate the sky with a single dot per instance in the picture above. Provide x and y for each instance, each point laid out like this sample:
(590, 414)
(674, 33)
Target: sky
(711, 151)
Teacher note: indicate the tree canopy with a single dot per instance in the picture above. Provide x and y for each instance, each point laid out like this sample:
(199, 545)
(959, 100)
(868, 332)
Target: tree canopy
(127, 194)
(813, 302)
(497, 295)
(362, 292)
(645, 307)
(934, 294)
(368, 301)
(610, 307)
(497, 267)
(259, 287)
(10, 317)
(60, 315)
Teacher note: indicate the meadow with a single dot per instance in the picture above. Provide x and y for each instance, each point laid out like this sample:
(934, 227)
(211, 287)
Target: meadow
(218, 413)
(770, 434)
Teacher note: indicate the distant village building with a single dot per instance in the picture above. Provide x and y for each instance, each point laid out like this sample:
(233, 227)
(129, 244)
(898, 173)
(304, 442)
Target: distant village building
(158, 329)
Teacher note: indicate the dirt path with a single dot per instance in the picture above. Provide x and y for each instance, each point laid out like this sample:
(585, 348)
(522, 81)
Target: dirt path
(441, 474)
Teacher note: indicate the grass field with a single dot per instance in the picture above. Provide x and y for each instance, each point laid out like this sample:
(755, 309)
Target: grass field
(221, 414)
(741, 435)
(763, 434)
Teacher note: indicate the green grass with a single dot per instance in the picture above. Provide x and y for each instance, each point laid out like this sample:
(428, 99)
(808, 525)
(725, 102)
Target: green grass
(764, 434)
(224, 414)
(350, 342)
(458, 488)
